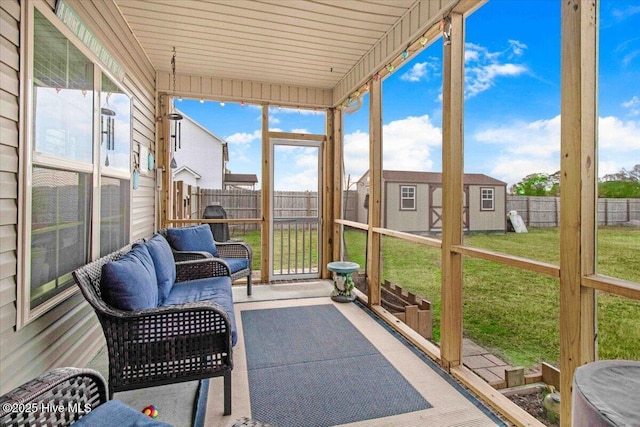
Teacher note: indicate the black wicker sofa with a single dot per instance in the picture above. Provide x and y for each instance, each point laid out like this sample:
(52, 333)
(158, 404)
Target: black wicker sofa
(66, 396)
(164, 322)
(197, 242)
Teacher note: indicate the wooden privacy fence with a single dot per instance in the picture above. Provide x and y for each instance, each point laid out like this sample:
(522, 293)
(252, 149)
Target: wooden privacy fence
(536, 211)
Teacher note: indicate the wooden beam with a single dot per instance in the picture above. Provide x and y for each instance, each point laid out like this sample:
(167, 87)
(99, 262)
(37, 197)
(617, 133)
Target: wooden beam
(375, 190)
(296, 136)
(578, 199)
(494, 398)
(327, 199)
(265, 234)
(164, 151)
(353, 224)
(510, 260)
(215, 221)
(613, 285)
(336, 140)
(452, 193)
(427, 241)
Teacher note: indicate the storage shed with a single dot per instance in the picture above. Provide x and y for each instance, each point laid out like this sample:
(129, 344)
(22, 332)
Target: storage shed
(412, 201)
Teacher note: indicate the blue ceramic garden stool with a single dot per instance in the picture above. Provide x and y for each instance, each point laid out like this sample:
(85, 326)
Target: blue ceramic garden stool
(342, 282)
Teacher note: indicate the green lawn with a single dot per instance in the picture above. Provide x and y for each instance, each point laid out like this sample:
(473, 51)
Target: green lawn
(512, 311)
(290, 241)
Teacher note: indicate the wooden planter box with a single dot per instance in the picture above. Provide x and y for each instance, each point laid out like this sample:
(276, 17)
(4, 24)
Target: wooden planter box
(409, 308)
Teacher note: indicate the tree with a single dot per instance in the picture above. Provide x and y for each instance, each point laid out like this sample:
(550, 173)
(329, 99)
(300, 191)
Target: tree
(538, 184)
(623, 184)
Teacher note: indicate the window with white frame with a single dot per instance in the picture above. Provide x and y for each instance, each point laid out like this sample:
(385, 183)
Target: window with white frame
(407, 197)
(487, 200)
(67, 222)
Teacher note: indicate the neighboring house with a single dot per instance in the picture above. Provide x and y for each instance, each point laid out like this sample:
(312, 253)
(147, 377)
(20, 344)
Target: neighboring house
(412, 201)
(202, 156)
(246, 181)
(187, 175)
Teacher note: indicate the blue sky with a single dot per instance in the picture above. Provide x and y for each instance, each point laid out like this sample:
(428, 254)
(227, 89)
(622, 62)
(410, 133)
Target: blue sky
(512, 102)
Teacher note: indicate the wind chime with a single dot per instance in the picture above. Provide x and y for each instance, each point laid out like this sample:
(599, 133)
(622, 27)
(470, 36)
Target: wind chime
(175, 127)
(108, 129)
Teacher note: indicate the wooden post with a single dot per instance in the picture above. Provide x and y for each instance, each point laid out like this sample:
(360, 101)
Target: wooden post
(329, 169)
(336, 139)
(375, 190)
(164, 158)
(578, 192)
(265, 234)
(452, 193)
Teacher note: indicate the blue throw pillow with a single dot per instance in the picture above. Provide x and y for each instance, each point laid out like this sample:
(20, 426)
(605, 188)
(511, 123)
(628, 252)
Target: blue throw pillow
(130, 283)
(164, 263)
(195, 238)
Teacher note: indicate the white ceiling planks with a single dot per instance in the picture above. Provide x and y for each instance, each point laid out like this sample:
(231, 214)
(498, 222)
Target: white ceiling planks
(297, 42)
(315, 52)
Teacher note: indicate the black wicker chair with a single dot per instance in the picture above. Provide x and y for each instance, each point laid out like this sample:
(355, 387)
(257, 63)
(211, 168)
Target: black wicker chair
(163, 345)
(225, 250)
(72, 388)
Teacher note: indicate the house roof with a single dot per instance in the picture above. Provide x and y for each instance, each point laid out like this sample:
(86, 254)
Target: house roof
(435, 178)
(188, 170)
(244, 178)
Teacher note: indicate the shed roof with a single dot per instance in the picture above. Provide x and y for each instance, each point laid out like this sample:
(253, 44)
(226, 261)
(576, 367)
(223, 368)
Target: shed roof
(435, 178)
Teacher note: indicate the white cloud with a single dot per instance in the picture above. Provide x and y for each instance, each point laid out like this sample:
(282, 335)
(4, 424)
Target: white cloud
(618, 136)
(356, 154)
(407, 145)
(415, 73)
(622, 14)
(299, 181)
(633, 105)
(522, 148)
(517, 47)
(273, 120)
(630, 57)
(301, 170)
(244, 139)
(483, 67)
(422, 71)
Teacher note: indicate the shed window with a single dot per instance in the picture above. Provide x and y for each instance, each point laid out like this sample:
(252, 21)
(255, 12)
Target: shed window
(407, 197)
(487, 199)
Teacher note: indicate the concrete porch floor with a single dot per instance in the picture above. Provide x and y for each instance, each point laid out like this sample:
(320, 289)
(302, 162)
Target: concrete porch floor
(451, 407)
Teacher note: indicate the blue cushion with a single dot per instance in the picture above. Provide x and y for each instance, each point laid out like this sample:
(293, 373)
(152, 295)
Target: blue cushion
(116, 413)
(195, 238)
(130, 283)
(164, 263)
(211, 289)
(237, 264)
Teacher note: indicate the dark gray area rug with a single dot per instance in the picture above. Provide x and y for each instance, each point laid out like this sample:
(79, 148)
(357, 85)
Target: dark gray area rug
(309, 366)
